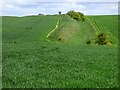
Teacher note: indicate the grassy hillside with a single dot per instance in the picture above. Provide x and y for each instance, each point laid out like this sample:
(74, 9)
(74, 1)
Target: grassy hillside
(72, 31)
(66, 31)
(109, 25)
(29, 60)
(27, 29)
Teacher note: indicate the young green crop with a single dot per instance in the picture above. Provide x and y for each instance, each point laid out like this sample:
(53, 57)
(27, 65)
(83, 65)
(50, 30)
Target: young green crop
(30, 61)
(108, 24)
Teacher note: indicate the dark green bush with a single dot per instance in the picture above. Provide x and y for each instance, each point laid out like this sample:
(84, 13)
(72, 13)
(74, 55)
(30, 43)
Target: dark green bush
(14, 42)
(76, 15)
(83, 19)
(88, 41)
(102, 39)
(81, 14)
(59, 12)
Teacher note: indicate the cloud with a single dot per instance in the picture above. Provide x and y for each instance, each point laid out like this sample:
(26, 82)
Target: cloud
(20, 9)
(101, 9)
(22, 1)
(64, 7)
(29, 7)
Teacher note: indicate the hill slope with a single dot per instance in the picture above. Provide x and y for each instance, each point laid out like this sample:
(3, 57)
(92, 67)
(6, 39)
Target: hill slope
(109, 25)
(72, 31)
(27, 29)
(30, 61)
(67, 28)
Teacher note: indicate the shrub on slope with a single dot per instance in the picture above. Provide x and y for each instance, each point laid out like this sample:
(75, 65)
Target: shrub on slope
(76, 15)
(102, 39)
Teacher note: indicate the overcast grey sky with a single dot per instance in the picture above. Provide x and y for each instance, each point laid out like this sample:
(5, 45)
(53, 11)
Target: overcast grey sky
(33, 7)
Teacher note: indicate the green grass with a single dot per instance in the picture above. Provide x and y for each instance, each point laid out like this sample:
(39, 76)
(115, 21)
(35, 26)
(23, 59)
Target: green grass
(72, 31)
(66, 31)
(109, 25)
(69, 30)
(30, 61)
(27, 29)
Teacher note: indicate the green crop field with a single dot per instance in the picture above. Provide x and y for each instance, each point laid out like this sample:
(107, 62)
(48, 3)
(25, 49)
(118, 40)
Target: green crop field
(110, 27)
(30, 59)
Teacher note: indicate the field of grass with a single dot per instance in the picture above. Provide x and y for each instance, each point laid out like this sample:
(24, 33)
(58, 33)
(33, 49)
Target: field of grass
(110, 27)
(31, 61)
(27, 29)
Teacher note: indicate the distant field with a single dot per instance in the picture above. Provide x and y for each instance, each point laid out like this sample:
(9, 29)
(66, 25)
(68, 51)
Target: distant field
(30, 60)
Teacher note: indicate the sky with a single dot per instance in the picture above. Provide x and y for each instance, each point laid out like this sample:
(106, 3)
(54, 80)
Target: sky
(34, 7)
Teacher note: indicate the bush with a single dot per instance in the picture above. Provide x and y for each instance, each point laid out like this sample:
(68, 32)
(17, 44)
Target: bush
(83, 19)
(76, 15)
(81, 14)
(40, 14)
(59, 39)
(88, 41)
(14, 42)
(102, 39)
(59, 12)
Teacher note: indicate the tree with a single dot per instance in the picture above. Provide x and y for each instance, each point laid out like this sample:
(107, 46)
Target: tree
(81, 14)
(59, 12)
(40, 14)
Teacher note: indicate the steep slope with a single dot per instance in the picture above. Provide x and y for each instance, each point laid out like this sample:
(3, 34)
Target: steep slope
(78, 32)
(109, 25)
(72, 31)
(66, 30)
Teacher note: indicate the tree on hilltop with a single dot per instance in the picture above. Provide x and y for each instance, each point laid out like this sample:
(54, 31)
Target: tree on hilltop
(76, 15)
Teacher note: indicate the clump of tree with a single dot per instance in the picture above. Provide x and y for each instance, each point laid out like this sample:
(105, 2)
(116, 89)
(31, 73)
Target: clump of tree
(76, 15)
(102, 39)
(59, 12)
(40, 14)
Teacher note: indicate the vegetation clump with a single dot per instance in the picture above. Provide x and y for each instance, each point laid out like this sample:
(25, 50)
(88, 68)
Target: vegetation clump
(102, 39)
(40, 14)
(59, 12)
(88, 41)
(14, 42)
(76, 15)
